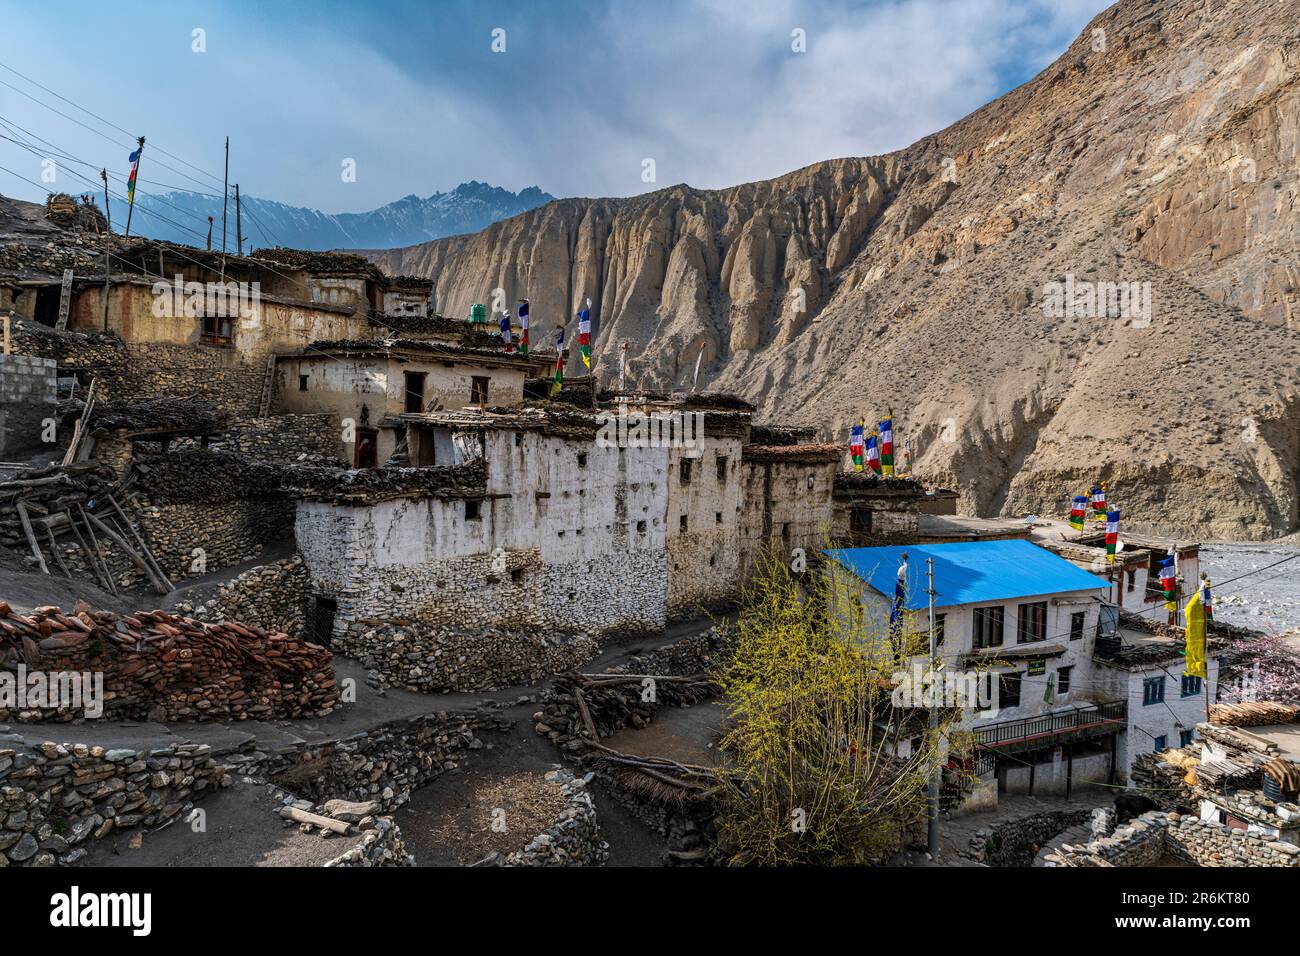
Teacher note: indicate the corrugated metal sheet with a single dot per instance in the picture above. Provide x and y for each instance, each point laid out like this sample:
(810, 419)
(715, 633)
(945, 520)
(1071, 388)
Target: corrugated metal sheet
(968, 572)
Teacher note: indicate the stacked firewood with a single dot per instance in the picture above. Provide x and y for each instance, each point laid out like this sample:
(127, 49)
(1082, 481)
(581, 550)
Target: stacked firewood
(161, 666)
(164, 413)
(79, 499)
(1253, 713)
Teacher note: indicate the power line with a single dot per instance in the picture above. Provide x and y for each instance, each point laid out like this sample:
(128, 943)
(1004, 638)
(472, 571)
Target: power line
(104, 121)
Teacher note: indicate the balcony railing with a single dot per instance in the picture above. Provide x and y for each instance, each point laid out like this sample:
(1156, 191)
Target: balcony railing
(1092, 717)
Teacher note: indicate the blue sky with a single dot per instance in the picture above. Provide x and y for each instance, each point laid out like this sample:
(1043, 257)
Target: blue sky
(583, 93)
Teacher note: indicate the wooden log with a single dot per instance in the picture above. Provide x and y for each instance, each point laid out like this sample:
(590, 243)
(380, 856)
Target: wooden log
(94, 544)
(58, 556)
(139, 539)
(316, 820)
(31, 538)
(136, 559)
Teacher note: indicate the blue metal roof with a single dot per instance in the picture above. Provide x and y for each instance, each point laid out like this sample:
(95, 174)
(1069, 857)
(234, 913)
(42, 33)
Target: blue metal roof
(968, 572)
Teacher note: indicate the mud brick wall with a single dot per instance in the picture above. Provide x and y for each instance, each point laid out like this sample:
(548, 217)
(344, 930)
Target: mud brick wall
(55, 797)
(28, 393)
(450, 660)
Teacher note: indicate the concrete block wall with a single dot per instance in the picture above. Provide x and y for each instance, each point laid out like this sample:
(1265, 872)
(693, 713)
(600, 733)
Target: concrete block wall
(28, 393)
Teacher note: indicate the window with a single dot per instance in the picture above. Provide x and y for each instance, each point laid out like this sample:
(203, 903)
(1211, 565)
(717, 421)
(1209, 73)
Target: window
(217, 330)
(1076, 625)
(1063, 679)
(722, 468)
(1132, 579)
(1191, 686)
(414, 392)
(1185, 737)
(682, 523)
(640, 527)
(939, 622)
(517, 575)
(478, 390)
(685, 473)
(582, 459)
(1153, 691)
(717, 517)
(1161, 744)
(1032, 623)
(302, 383)
(988, 626)
(473, 510)
(1009, 690)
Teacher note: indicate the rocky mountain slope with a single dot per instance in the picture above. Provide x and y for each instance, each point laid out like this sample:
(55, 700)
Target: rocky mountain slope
(1161, 147)
(467, 208)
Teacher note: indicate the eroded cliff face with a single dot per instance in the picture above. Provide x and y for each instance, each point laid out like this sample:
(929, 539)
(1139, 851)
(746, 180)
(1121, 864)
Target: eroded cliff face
(1163, 150)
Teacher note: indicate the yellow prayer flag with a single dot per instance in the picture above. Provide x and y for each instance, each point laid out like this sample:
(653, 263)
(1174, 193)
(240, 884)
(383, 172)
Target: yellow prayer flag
(1194, 615)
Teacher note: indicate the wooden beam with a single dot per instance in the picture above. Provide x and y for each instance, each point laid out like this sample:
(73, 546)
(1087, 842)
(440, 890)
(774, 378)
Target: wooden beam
(31, 537)
(136, 559)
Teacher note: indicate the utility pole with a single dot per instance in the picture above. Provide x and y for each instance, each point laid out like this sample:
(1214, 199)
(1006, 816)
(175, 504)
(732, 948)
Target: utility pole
(225, 197)
(209, 234)
(932, 824)
(239, 224)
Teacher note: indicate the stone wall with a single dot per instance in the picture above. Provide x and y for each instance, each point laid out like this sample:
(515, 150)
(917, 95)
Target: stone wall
(55, 797)
(1015, 842)
(272, 596)
(1157, 836)
(574, 839)
(317, 437)
(454, 660)
(703, 526)
(384, 764)
(382, 846)
(379, 562)
(191, 540)
(153, 665)
(28, 395)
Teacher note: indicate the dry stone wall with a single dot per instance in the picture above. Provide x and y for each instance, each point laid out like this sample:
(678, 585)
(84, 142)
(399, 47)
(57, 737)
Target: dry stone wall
(56, 797)
(451, 660)
(574, 839)
(28, 392)
(272, 596)
(1157, 837)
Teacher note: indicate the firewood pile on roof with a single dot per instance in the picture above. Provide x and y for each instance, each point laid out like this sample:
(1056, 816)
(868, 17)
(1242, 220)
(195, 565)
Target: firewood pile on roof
(410, 284)
(323, 263)
(166, 413)
(458, 330)
(795, 454)
(851, 481)
(161, 666)
(79, 213)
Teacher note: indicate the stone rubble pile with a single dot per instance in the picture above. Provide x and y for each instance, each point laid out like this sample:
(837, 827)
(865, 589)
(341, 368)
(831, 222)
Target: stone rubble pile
(428, 659)
(160, 666)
